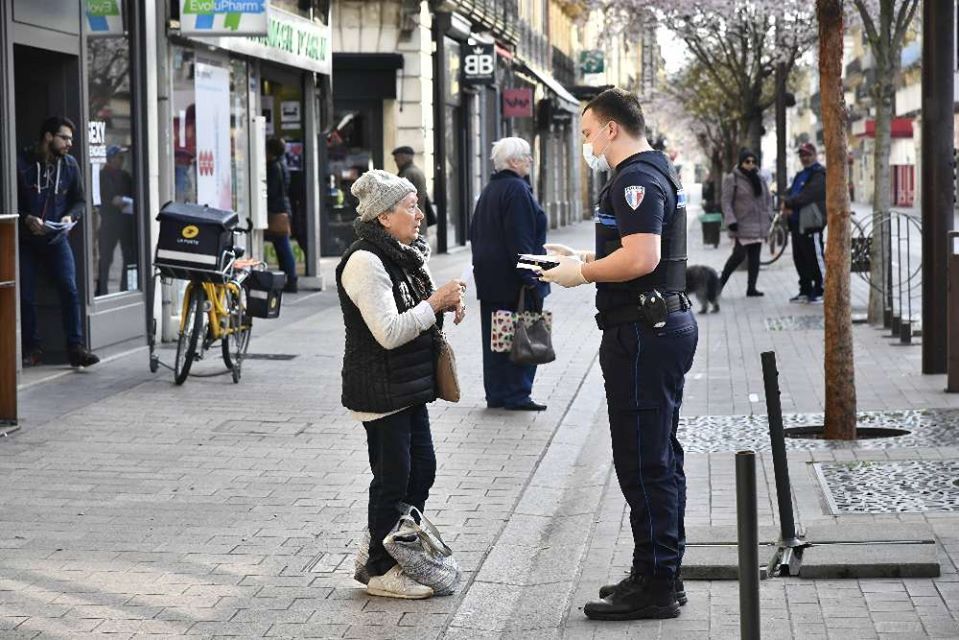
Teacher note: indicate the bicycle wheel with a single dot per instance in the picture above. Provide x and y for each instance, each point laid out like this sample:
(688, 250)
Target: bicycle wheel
(238, 341)
(775, 245)
(192, 329)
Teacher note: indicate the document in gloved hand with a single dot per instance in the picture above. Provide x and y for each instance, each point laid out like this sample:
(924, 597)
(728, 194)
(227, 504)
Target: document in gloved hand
(536, 263)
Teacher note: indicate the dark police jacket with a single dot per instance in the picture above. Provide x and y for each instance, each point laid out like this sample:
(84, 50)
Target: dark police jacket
(507, 221)
(375, 379)
(643, 196)
(48, 191)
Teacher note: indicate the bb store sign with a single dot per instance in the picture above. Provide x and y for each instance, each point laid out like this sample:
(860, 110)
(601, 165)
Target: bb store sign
(479, 64)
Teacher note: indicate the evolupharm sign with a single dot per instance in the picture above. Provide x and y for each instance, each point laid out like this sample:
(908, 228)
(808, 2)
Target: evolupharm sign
(104, 18)
(224, 17)
(288, 39)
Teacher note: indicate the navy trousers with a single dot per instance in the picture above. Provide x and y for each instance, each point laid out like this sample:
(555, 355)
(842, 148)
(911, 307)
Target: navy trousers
(284, 255)
(56, 258)
(404, 467)
(506, 384)
(808, 256)
(644, 371)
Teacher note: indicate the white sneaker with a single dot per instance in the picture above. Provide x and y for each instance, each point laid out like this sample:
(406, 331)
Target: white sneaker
(396, 584)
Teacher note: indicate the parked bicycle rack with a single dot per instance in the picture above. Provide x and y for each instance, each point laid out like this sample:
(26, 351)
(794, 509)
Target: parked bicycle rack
(902, 255)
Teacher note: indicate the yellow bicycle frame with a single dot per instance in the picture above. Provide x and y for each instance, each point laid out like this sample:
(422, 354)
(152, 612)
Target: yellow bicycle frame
(216, 295)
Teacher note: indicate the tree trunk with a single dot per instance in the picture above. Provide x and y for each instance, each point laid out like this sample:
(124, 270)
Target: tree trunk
(882, 198)
(753, 128)
(840, 382)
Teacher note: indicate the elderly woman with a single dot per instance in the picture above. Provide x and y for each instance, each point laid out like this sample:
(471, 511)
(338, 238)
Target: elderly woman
(507, 221)
(747, 209)
(391, 310)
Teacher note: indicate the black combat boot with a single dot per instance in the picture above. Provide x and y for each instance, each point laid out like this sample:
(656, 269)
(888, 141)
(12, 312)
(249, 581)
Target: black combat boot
(680, 588)
(637, 597)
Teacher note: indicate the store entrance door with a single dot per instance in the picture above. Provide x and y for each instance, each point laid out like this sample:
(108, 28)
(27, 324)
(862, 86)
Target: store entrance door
(47, 83)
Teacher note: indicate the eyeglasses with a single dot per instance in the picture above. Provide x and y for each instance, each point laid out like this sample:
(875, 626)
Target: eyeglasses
(749, 161)
(64, 137)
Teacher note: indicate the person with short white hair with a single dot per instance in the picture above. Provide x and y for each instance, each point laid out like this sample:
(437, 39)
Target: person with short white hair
(507, 221)
(510, 150)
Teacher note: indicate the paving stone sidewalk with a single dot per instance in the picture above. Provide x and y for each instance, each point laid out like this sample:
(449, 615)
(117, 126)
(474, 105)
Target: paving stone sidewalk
(134, 508)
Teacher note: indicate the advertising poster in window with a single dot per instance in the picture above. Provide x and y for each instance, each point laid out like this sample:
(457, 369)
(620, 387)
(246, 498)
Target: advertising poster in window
(213, 165)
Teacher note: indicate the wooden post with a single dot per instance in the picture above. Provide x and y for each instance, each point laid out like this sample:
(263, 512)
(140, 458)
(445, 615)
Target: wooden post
(8, 319)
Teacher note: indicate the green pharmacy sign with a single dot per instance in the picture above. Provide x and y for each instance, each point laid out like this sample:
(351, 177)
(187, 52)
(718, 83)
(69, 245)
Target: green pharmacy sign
(224, 17)
(591, 61)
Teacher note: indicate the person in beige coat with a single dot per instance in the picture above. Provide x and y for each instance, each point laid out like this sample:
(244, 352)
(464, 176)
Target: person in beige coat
(747, 209)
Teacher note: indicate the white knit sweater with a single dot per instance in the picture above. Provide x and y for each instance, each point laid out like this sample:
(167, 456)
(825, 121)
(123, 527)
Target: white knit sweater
(368, 285)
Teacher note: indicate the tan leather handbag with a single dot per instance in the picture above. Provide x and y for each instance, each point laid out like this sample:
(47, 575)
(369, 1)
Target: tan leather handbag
(447, 383)
(278, 225)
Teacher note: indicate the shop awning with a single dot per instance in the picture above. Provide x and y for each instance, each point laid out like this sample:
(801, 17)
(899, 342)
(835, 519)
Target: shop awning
(566, 99)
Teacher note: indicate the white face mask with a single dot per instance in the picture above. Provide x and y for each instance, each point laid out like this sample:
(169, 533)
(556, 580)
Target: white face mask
(596, 162)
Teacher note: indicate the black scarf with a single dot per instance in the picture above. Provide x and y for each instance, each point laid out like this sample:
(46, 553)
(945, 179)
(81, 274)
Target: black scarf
(411, 257)
(753, 176)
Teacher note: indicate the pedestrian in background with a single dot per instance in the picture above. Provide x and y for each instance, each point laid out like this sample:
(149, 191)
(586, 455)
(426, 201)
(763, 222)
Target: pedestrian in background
(649, 342)
(117, 220)
(279, 211)
(391, 311)
(747, 209)
(406, 168)
(507, 222)
(51, 199)
(808, 187)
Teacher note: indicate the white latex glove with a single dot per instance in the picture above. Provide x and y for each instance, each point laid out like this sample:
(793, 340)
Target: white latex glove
(568, 273)
(556, 249)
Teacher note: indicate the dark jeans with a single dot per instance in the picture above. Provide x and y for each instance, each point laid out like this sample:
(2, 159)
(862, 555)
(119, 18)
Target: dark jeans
(506, 384)
(404, 467)
(808, 258)
(284, 255)
(751, 252)
(115, 228)
(56, 259)
(644, 371)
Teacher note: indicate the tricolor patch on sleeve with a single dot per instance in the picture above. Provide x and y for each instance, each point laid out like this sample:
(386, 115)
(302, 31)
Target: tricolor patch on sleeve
(634, 196)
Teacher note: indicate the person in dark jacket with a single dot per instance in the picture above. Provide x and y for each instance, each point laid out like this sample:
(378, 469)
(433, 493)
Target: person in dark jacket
(507, 221)
(747, 209)
(278, 203)
(117, 220)
(808, 187)
(406, 168)
(391, 309)
(50, 200)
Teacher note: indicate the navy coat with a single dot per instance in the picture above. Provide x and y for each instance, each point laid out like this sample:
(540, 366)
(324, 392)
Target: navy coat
(507, 221)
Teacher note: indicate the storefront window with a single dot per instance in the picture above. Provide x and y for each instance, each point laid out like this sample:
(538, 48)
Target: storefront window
(210, 112)
(350, 150)
(110, 146)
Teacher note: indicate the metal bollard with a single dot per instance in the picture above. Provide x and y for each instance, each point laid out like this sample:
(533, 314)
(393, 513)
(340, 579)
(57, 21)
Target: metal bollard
(748, 539)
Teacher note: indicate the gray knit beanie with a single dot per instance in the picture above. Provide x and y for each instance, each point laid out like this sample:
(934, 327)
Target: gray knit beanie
(378, 191)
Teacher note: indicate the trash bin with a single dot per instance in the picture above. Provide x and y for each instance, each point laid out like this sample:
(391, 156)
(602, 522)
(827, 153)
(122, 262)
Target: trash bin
(712, 225)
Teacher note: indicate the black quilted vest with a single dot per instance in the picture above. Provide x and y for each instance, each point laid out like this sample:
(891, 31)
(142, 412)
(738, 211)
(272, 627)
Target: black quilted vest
(375, 379)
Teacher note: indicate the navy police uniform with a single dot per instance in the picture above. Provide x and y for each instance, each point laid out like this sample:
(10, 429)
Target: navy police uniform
(644, 366)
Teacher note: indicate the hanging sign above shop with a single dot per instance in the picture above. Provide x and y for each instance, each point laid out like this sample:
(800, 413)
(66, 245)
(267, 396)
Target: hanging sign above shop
(223, 17)
(289, 39)
(104, 18)
(479, 64)
(517, 103)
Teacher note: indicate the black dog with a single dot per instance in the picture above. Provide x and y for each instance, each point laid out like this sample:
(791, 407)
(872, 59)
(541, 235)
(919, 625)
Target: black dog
(703, 282)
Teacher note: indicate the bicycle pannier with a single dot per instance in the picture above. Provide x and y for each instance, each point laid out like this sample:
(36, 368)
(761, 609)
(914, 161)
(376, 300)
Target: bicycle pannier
(193, 241)
(264, 293)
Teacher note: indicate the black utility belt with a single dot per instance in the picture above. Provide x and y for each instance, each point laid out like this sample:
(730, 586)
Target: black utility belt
(652, 308)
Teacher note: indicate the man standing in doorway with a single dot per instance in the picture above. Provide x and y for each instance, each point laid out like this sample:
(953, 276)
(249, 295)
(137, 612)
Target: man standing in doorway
(405, 168)
(808, 188)
(51, 200)
(649, 341)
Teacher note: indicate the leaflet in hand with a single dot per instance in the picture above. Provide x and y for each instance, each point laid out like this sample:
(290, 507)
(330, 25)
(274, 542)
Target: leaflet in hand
(50, 226)
(536, 263)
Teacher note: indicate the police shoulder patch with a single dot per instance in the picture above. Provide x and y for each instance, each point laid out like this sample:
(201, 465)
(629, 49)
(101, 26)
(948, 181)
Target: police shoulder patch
(634, 196)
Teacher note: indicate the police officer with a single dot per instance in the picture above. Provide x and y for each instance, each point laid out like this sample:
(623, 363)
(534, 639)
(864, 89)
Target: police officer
(649, 340)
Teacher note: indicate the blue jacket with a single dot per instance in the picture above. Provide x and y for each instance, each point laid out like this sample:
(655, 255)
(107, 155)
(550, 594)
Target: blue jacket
(48, 191)
(507, 221)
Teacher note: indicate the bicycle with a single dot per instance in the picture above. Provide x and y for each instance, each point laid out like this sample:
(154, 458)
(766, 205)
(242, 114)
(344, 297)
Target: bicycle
(776, 239)
(215, 312)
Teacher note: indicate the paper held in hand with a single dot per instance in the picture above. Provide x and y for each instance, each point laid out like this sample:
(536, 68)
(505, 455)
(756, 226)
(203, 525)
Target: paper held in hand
(536, 263)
